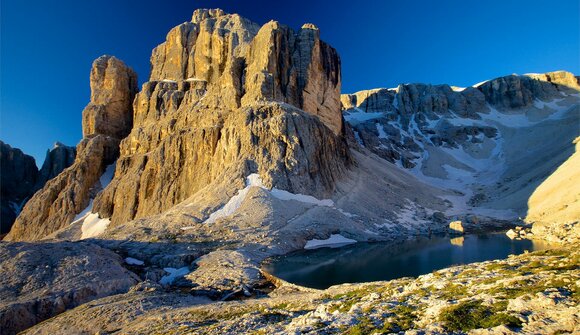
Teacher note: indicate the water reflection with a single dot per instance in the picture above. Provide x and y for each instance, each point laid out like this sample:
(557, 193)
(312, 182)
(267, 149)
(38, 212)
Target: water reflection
(365, 262)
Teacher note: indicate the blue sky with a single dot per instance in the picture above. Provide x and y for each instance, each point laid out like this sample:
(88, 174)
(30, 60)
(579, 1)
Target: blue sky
(47, 47)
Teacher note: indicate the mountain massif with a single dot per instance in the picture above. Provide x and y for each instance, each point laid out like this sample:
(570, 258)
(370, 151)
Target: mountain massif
(240, 147)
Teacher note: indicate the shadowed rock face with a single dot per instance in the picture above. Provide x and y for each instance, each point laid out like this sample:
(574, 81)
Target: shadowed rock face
(21, 178)
(57, 159)
(107, 117)
(227, 98)
(19, 175)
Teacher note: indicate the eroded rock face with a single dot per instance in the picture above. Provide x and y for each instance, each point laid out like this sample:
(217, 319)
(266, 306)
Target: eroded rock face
(227, 98)
(168, 161)
(113, 87)
(520, 91)
(107, 117)
(42, 280)
(239, 63)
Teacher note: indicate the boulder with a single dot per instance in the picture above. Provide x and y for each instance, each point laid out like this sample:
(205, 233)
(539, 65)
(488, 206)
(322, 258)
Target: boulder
(41, 280)
(512, 234)
(456, 227)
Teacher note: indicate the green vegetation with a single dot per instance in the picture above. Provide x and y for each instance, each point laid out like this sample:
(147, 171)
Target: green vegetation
(363, 327)
(473, 314)
(402, 320)
(453, 291)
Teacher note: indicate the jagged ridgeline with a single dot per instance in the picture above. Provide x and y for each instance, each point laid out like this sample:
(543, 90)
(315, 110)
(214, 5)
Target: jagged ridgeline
(226, 98)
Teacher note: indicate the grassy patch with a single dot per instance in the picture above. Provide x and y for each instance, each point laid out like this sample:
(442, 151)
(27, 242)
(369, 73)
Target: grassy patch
(364, 326)
(402, 320)
(453, 291)
(473, 315)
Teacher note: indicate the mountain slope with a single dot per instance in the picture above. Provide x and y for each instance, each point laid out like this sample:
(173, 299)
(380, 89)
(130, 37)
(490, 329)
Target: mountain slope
(492, 144)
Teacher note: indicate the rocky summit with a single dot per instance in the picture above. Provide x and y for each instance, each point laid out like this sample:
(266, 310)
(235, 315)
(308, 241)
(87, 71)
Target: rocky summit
(240, 147)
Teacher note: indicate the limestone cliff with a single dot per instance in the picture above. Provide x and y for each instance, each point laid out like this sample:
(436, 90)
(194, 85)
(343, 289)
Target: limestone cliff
(227, 98)
(106, 118)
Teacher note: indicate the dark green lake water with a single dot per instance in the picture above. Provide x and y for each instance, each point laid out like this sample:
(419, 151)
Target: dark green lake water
(364, 262)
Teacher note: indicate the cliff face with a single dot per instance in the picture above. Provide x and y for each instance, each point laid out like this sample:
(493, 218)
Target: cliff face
(227, 98)
(238, 63)
(63, 197)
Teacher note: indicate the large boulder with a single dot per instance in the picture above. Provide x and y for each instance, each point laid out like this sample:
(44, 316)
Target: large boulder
(41, 280)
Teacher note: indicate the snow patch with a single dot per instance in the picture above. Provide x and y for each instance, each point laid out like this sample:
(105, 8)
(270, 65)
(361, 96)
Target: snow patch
(254, 180)
(133, 261)
(108, 175)
(173, 274)
(93, 226)
(347, 214)
(236, 201)
(84, 213)
(357, 116)
(381, 131)
(285, 195)
(334, 241)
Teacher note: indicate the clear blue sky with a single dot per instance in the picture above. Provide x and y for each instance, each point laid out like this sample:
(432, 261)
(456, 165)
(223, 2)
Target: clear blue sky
(47, 47)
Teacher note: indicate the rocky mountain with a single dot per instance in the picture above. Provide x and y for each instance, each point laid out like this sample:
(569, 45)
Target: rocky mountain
(106, 119)
(492, 144)
(240, 147)
(21, 178)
